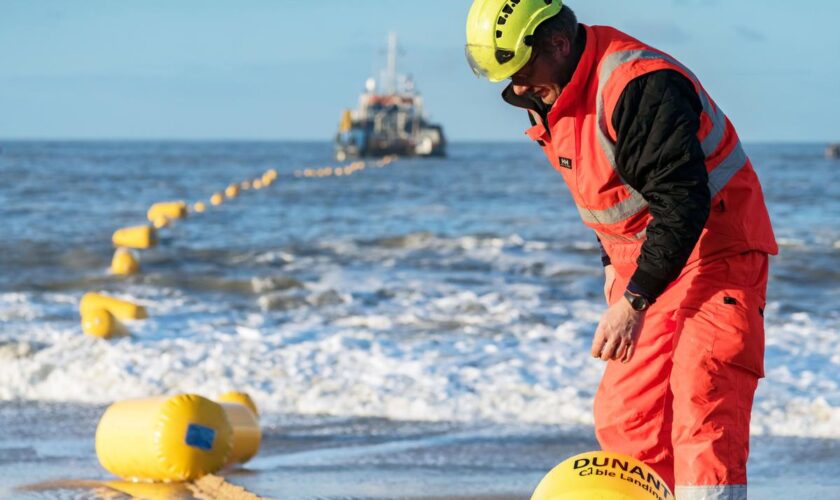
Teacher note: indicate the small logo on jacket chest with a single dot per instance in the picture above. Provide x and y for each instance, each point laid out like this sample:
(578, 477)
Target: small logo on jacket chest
(565, 162)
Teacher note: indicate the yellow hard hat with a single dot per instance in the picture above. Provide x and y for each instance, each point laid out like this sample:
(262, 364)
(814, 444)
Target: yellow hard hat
(500, 34)
(603, 475)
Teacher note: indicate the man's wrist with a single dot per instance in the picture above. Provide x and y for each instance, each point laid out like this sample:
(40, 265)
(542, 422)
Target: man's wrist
(638, 302)
(635, 289)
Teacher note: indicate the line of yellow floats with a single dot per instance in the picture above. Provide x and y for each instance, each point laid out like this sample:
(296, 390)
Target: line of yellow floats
(187, 436)
(98, 316)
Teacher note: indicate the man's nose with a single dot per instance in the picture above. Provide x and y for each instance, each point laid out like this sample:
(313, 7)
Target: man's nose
(521, 89)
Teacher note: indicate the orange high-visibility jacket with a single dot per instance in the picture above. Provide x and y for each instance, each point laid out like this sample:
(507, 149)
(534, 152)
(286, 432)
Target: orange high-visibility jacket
(579, 140)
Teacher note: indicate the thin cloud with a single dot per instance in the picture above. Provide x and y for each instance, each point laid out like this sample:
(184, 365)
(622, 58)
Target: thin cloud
(749, 34)
(660, 33)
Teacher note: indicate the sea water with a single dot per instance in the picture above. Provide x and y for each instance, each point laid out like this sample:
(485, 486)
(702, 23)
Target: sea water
(463, 289)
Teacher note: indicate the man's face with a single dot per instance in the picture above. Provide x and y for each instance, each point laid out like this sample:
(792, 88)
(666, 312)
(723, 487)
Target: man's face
(547, 72)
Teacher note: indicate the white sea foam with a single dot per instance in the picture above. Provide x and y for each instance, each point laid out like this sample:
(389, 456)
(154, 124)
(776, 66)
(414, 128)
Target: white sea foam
(444, 354)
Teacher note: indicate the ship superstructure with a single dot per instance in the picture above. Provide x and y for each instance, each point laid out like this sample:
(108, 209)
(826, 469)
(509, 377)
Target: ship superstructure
(390, 119)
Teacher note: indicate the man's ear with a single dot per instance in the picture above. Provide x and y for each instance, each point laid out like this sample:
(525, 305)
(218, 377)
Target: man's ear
(562, 45)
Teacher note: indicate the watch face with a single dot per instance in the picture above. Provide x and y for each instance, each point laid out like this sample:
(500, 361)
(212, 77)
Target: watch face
(637, 302)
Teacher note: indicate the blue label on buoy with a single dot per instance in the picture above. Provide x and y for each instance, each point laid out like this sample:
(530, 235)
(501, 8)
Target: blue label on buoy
(199, 436)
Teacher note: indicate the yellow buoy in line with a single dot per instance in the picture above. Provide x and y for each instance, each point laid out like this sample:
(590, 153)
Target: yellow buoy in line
(603, 475)
(138, 237)
(177, 438)
(232, 191)
(269, 177)
(245, 185)
(121, 309)
(257, 184)
(160, 222)
(169, 210)
(240, 398)
(102, 324)
(246, 433)
(124, 263)
(199, 207)
(217, 199)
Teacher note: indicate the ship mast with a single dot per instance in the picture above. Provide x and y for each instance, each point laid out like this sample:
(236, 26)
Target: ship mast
(390, 83)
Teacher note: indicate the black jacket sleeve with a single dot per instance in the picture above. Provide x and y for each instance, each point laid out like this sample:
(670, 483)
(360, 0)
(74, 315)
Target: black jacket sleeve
(658, 154)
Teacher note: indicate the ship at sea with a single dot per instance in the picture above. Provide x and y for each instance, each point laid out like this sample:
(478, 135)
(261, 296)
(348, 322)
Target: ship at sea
(390, 119)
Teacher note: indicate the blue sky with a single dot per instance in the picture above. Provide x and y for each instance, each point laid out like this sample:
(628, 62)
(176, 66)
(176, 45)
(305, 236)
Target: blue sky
(283, 69)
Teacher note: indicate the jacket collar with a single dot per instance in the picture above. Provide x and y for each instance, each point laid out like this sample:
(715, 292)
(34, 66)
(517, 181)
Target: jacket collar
(571, 92)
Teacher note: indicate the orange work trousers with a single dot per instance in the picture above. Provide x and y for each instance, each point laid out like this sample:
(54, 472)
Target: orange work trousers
(683, 403)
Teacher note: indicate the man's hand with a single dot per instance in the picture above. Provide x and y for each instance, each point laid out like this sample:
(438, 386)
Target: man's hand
(617, 332)
(609, 281)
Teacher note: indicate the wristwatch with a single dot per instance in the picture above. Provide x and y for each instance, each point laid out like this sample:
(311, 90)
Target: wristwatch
(637, 302)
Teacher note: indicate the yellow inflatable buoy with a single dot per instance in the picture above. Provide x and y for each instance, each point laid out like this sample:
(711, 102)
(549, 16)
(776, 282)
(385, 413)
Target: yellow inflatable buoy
(121, 309)
(137, 237)
(239, 398)
(257, 184)
(199, 207)
(246, 433)
(100, 323)
(178, 438)
(169, 210)
(245, 185)
(217, 199)
(124, 263)
(232, 191)
(602, 475)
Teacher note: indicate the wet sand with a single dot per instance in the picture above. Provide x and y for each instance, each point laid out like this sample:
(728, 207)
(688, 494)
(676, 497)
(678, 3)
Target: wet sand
(47, 451)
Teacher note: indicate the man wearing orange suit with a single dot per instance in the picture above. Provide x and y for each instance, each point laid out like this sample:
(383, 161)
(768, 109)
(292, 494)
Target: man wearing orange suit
(658, 172)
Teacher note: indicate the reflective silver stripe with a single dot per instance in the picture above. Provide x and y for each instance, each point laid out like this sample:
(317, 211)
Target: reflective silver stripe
(624, 239)
(711, 142)
(718, 179)
(608, 67)
(721, 492)
(636, 202)
(726, 170)
(622, 210)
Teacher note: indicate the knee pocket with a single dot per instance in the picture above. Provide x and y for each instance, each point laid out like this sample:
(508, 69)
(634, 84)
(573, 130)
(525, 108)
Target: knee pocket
(727, 327)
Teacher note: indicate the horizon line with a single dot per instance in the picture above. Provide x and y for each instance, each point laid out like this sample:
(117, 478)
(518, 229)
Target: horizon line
(322, 141)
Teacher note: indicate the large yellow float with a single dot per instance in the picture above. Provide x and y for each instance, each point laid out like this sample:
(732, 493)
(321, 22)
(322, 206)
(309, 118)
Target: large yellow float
(604, 476)
(177, 438)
